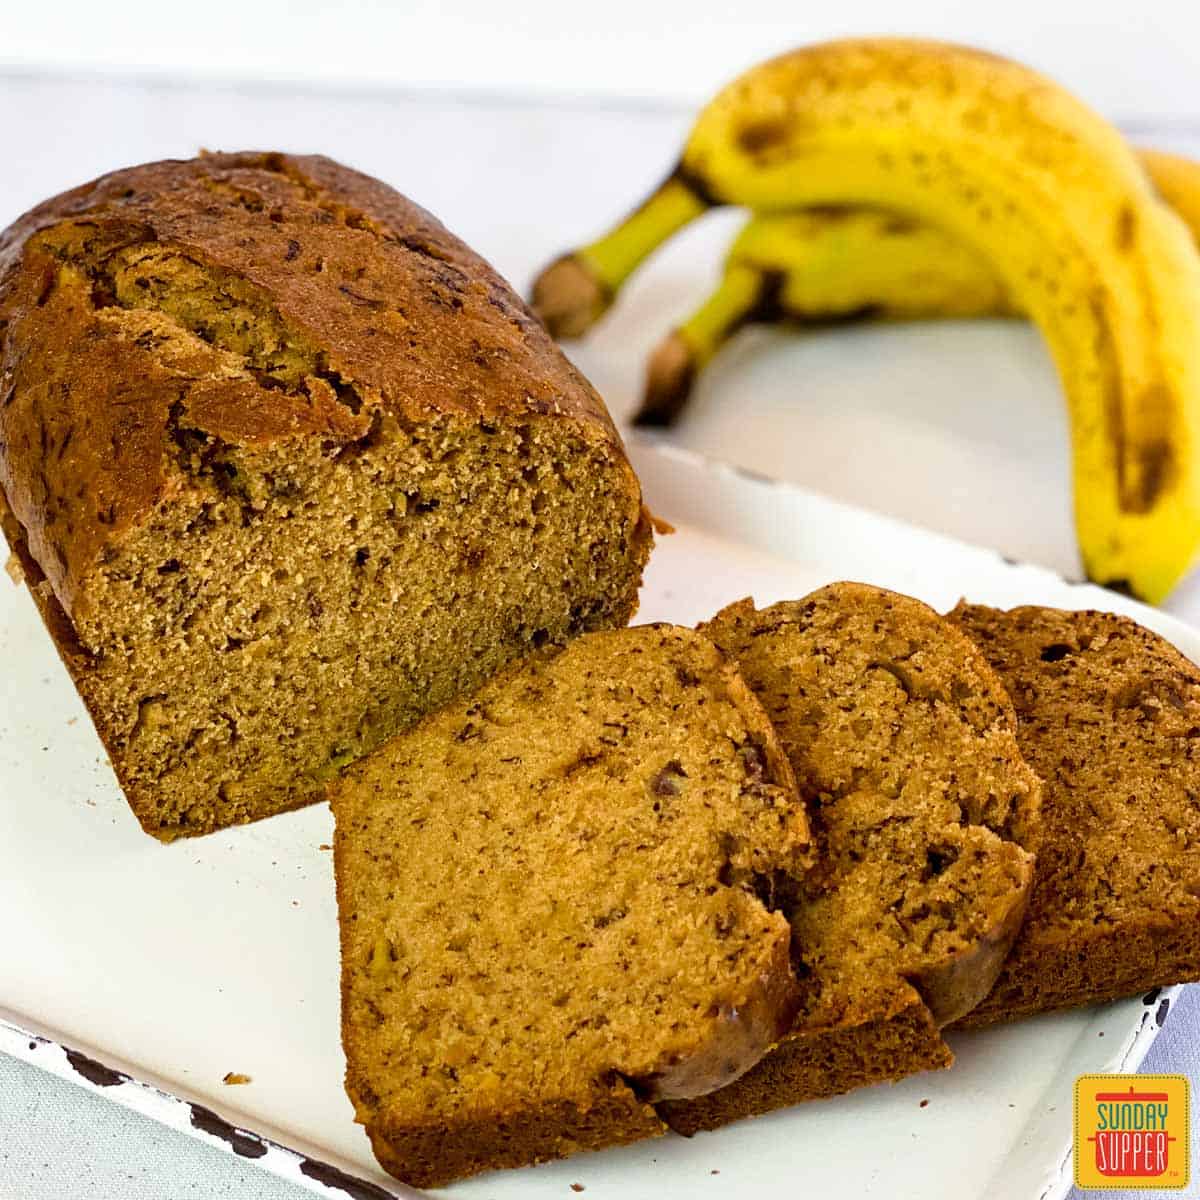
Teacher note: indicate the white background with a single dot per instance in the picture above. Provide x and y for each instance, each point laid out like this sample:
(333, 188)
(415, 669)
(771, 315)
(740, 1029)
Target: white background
(526, 127)
(1136, 61)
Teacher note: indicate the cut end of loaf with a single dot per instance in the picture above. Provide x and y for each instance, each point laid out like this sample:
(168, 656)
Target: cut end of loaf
(291, 614)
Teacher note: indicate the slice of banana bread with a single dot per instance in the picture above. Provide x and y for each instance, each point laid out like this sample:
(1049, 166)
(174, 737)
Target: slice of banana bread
(290, 466)
(546, 894)
(1109, 715)
(903, 744)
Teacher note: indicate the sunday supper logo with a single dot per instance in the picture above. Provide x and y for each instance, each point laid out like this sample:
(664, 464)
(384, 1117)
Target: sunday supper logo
(1131, 1132)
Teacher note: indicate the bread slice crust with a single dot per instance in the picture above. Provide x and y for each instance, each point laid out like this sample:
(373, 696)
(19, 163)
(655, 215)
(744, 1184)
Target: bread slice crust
(924, 816)
(550, 906)
(1109, 715)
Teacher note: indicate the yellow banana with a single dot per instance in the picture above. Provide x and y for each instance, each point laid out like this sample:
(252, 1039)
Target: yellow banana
(1017, 169)
(818, 265)
(822, 265)
(1177, 180)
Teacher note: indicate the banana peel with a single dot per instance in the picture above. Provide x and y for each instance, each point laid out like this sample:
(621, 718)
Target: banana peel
(1015, 169)
(819, 266)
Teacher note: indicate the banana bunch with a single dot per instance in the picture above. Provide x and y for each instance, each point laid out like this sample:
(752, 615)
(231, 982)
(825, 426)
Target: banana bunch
(993, 190)
(823, 265)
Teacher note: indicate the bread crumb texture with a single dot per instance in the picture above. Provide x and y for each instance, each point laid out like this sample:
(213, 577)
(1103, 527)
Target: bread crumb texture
(551, 898)
(1109, 716)
(291, 466)
(924, 815)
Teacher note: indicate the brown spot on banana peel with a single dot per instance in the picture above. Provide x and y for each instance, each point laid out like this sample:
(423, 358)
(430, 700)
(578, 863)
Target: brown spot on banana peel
(1144, 468)
(692, 178)
(850, 316)
(1155, 463)
(761, 135)
(768, 306)
(832, 214)
(771, 307)
(1126, 229)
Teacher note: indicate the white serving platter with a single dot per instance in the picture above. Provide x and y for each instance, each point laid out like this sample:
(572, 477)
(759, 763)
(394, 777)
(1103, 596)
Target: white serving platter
(147, 972)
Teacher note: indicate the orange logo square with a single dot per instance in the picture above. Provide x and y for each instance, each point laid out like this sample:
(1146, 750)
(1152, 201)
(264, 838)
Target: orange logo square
(1131, 1131)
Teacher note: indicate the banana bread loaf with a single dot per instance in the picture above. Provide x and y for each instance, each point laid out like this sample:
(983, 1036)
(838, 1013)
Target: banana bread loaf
(1109, 715)
(288, 466)
(548, 908)
(923, 811)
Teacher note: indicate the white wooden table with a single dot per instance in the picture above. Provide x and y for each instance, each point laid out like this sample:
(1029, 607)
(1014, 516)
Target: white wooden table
(958, 428)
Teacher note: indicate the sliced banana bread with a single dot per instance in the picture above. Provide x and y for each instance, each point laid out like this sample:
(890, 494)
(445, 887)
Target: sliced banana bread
(547, 902)
(903, 744)
(288, 466)
(1109, 715)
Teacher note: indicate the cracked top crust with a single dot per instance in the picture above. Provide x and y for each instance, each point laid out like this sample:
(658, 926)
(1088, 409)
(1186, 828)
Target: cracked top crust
(240, 300)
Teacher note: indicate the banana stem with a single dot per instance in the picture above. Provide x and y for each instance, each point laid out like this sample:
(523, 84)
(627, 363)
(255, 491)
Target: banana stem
(685, 352)
(730, 307)
(612, 258)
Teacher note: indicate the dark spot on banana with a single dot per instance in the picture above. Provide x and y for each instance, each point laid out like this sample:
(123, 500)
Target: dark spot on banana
(831, 214)
(695, 183)
(1126, 229)
(1122, 587)
(768, 307)
(1145, 463)
(758, 137)
(1154, 468)
(850, 316)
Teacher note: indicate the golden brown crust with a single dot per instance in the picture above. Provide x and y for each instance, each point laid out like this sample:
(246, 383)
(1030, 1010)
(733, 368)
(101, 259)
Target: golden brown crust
(215, 372)
(407, 318)
(743, 1031)
(1110, 964)
(820, 1063)
(951, 989)
(74, 657)
(612, 1116)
